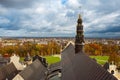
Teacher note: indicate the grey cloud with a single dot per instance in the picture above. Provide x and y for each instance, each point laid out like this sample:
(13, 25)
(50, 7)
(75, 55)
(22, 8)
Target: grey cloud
(105, 6)
(43, 29)
(59, 19)
(19, 3)
(108, 30)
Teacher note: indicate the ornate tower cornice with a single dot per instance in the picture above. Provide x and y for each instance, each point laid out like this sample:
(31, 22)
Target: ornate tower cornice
(79, 39)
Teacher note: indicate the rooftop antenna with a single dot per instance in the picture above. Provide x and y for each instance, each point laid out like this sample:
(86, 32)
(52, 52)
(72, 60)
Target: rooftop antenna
(80, 12)
(80, 8)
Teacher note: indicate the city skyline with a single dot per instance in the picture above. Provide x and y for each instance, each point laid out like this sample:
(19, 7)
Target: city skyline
(57, 18)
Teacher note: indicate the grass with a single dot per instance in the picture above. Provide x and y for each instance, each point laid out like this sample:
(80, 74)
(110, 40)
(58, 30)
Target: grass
(21, 58)
(101, 59)
(52, 59)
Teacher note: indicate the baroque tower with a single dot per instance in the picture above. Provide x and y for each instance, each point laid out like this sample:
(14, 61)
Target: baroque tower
(79, 39)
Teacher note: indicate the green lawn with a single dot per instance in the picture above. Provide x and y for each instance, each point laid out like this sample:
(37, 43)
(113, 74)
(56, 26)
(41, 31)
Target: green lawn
(21, 58)
(52, 59)
(101, 59)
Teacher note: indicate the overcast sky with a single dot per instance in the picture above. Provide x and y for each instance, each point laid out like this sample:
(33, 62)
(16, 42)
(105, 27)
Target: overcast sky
(53, 18)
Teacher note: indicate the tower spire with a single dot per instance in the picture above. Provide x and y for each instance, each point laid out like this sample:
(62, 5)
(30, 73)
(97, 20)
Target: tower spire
(79, 16)
(79, 39)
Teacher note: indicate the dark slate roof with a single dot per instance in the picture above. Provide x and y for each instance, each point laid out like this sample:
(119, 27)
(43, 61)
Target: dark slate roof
(8, 71)
(41, 59)
(3, 61)
(81, 67)
(54, 69)
(35, 71)
(68, 52)
(57, 64)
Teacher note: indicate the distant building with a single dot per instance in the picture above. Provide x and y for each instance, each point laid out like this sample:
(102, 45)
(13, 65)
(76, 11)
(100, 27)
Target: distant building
(3, 61)
(0, 39)
(28, 59)
(9, 44)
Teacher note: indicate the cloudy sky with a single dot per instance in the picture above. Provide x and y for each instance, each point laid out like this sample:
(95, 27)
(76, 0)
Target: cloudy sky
(53, 18)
